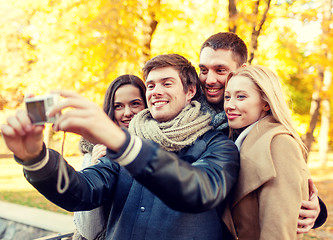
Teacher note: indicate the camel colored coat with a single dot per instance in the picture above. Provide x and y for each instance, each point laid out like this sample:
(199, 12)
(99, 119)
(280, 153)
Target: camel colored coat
(273, 180)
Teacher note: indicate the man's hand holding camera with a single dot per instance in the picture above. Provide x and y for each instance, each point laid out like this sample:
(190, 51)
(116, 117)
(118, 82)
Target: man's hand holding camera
(81, 116)
(87, 119)
(23, 138)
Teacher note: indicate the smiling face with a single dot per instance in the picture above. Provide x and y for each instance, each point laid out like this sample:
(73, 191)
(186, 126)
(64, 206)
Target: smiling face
(243, 103)
(127, 103)
(165, 93)
(215, 66)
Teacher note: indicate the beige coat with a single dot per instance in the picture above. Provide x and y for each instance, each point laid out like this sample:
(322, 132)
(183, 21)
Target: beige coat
(272, 182)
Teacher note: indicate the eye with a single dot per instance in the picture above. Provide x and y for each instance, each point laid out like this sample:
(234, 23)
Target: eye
(117, 107)
(222, 71)
(241, 96)
(167, 83)
(136, 104)
(226, 98)
(203, 71)
(150, 86)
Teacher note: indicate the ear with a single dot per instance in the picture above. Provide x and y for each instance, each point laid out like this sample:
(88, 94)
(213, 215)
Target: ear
(192, 90)
(266, 107)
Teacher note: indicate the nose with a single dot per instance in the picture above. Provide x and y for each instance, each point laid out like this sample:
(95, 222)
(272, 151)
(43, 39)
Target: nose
(211, 79)
(128, 111)
(157, 90)
(230, 104)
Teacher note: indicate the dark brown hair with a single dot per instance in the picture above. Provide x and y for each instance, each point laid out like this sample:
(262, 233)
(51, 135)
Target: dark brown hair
(117, 83)
(228, 41)
(187, 72)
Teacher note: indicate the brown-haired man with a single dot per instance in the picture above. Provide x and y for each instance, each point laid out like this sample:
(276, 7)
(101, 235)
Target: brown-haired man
(164, 179)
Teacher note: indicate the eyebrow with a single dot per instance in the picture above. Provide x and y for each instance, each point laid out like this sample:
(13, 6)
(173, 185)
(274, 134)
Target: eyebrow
(136, 99)
(160, 80)
(238, 91)
(215, 66)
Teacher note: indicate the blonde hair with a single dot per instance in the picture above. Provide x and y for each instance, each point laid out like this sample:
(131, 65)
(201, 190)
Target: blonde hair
(271, 92)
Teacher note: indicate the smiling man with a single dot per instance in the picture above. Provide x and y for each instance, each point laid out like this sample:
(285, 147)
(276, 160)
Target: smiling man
(220, 54)
(164, 179)
(165, 94)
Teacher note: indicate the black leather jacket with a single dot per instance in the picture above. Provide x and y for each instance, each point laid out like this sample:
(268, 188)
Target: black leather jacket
(177, 191)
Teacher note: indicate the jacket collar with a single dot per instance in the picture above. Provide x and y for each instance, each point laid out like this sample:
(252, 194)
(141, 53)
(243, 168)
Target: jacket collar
(256, 164)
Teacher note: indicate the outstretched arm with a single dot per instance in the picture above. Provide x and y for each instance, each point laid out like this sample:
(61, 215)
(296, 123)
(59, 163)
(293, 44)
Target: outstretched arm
(81, 116)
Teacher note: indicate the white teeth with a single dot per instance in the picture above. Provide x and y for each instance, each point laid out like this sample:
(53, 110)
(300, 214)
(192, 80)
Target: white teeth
(159, 103)
(212, 90)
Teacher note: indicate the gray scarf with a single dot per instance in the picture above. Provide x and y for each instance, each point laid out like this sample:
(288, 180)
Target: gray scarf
(85, 146)
(175, 134)
(219, 119)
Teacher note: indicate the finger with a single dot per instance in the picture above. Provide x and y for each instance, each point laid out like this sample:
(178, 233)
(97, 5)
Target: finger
(304, 225)
(66, 93)
(14, 123)
(309, 205)
(76, 125)
(313, 191)
(101, 149)
(303, 230)
(311, 214)
(304, 221)
(98, 147)
(24, 120)
(100, 152)
(68, 103)
(73, 115)
(8, 131)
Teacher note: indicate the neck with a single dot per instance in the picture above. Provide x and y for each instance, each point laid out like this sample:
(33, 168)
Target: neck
(217, 107)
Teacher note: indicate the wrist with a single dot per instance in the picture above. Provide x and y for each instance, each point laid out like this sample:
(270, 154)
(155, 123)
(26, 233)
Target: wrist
(31, 158)
(116, 140)
(128, 150)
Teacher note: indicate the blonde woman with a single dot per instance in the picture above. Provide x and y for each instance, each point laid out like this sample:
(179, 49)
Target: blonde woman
(273, 177)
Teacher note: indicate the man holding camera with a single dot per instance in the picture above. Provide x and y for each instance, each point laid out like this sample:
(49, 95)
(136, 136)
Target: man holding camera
(164, 179)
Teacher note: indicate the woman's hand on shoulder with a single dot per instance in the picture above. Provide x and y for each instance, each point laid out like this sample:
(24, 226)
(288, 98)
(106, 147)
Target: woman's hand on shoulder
(98, 151)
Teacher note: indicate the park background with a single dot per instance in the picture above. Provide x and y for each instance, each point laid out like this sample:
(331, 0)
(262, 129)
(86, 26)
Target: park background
(82, 45)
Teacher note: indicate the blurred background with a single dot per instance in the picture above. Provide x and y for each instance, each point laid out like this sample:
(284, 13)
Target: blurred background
(82, 45)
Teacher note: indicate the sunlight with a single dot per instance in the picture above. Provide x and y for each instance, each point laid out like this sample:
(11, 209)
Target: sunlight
(307, 32)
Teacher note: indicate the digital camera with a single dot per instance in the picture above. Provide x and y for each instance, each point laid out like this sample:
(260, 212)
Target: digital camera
(38, 106)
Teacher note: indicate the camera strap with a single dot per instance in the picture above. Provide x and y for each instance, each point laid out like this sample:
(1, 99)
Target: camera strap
(62, 171)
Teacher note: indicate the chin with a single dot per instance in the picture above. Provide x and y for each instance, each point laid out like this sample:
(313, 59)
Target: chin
(214, 100)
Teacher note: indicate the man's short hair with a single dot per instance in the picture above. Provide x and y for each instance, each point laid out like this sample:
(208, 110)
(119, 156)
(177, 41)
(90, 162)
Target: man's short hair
(187, 72)
(228, 41)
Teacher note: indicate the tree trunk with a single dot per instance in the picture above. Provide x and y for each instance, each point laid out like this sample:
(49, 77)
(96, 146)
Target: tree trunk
(327, 79)
(257, 28)
(325, 118)
(314, 111)
(232, 16)
(153, 6)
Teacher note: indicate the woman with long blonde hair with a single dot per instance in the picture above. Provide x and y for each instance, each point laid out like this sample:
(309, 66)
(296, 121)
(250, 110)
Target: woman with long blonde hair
(273, 177)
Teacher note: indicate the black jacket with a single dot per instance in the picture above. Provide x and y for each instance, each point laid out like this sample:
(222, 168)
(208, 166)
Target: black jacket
(160, 195)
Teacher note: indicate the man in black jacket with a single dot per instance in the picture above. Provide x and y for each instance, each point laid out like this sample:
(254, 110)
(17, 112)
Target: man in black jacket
(164, 178)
